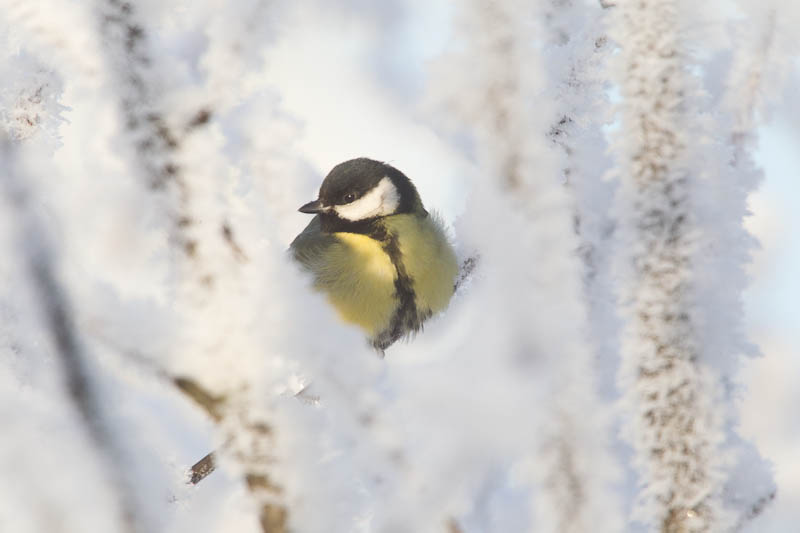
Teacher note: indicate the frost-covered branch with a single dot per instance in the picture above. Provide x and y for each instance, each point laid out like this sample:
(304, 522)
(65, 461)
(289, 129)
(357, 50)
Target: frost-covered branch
(576, 58)
(465, 272)
(670, 391)
(152, 136)
(570, 497)
(509, 113)
(744, 97)
(57, 313)
(750, 488)
(190, 191)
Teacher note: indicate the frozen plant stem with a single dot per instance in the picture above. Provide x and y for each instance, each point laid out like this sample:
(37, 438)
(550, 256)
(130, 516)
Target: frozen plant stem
(162, 157)
(743, 131)
(156, 142)
(56, 311)
(746, 89)
(674, 428)
(512, 134)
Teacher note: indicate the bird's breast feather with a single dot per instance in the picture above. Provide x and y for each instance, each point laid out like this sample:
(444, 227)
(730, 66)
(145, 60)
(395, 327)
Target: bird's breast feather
(428, 257)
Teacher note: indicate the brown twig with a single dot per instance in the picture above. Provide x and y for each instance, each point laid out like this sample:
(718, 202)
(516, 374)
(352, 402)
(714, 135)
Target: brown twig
(210, 403)
(202, 468)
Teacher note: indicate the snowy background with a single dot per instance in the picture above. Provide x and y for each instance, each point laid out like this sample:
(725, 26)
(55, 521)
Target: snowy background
(154, 155)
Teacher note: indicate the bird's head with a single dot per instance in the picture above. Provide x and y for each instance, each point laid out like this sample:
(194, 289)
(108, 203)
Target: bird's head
(362, 190)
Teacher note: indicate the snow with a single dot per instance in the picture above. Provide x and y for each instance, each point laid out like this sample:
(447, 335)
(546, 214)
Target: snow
(154, 156)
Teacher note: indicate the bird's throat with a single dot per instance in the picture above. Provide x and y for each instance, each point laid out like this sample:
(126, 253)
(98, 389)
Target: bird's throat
(332, 223)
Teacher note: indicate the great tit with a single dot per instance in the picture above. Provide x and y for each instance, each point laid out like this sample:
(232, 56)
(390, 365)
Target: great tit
(383, 261)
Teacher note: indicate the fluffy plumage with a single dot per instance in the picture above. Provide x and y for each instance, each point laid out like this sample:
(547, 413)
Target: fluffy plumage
(384, 262)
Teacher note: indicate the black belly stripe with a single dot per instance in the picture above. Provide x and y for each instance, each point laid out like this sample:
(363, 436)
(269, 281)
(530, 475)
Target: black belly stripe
(406, 318)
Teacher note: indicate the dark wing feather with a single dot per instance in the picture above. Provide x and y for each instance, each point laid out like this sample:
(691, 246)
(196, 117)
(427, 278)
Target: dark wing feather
(309, 247)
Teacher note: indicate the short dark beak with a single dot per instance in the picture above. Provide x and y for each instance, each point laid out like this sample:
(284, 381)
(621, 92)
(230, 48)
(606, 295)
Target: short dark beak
(312, 207)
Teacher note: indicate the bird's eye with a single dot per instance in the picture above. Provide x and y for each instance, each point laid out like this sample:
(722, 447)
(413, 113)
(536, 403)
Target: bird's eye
(349, 197)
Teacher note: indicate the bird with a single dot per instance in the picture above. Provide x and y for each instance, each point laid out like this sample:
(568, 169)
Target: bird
(384, 262)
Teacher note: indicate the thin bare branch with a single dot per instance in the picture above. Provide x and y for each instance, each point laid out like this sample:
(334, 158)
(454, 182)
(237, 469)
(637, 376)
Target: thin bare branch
(202, 468)
(210, 403)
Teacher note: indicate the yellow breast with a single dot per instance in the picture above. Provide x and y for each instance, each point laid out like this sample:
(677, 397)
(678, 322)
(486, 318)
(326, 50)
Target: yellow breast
(428, 258)
(361, 285)
(358, 276)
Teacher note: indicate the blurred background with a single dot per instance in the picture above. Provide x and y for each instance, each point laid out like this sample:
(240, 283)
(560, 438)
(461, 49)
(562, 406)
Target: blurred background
(294, 88)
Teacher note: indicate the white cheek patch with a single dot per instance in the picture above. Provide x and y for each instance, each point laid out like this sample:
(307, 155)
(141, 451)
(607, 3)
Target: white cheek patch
(382, 200)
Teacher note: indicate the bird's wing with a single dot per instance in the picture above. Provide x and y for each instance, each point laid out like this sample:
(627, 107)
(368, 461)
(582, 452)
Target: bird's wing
(309, 247)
